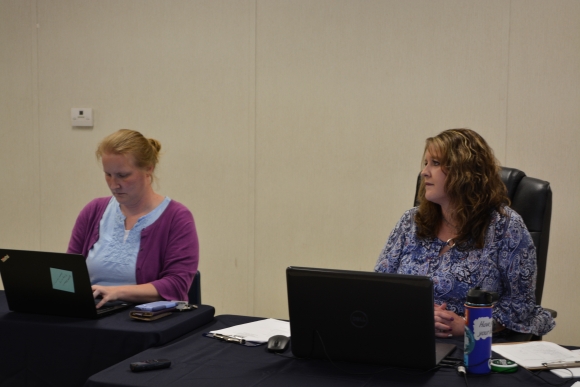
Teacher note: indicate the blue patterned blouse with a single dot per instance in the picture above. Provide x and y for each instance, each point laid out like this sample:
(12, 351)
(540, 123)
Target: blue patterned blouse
(506, 264)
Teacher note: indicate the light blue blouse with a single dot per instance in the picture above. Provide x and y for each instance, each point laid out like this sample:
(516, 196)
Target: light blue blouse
(112, 259)
(506, 264)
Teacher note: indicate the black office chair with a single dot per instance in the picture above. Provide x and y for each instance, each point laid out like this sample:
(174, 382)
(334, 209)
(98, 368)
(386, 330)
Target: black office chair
(194, 293)
(532, 199)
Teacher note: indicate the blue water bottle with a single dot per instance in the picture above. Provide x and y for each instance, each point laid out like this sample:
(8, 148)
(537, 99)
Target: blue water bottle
(478, 330)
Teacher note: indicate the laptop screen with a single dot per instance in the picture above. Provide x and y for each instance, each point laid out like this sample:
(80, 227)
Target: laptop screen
(49, 283)
(362, 316)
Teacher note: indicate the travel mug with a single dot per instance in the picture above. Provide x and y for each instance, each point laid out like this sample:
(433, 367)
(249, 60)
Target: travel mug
(478, 330)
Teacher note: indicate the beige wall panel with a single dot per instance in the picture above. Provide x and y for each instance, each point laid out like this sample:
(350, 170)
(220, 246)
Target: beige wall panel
(346, 94)
(543, 137)
(292, 129)
(181, 72)
(20, 191)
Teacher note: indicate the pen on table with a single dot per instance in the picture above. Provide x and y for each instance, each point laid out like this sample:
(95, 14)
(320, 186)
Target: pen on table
(563, 364)
(231, 339)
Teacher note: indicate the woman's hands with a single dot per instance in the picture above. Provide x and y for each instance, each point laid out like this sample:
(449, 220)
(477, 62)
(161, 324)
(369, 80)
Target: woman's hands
(447, 323)
(130, 293)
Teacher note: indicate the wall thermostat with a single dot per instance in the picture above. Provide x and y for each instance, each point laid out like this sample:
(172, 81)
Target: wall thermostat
(81, 116)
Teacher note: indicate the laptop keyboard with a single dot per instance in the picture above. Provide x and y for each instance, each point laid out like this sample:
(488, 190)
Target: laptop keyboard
(111, 306)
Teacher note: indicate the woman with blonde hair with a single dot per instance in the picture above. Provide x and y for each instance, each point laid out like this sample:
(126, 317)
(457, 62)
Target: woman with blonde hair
(140, 246)
(463, 235)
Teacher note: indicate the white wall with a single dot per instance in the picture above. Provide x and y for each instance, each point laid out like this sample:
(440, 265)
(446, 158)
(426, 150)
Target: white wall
(293, 130)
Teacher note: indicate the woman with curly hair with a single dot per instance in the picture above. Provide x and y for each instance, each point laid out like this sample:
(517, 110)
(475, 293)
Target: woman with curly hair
(463, 235)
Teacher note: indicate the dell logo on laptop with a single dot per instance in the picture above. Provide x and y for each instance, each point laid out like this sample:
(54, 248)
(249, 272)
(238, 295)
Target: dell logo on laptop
(359, 319)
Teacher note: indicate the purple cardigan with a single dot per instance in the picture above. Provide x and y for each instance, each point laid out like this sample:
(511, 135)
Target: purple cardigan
(168, 253)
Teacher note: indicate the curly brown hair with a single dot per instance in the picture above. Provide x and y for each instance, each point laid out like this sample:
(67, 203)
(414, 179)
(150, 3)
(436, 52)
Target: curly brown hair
(473, 185)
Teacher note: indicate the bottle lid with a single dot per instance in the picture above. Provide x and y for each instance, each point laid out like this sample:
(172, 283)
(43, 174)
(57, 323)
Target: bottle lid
(478, 296)
(503, 366)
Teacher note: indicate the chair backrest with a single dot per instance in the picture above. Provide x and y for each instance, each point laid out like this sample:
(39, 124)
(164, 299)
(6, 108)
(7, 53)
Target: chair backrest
(194, 293)
(532, 200)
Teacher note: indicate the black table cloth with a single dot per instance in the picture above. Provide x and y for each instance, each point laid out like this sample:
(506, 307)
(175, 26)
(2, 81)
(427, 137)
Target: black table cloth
(204, 362)
(38, 350)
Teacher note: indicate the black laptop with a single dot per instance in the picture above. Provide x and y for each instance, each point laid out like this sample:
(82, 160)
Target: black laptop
(363, 317)
(50, 283)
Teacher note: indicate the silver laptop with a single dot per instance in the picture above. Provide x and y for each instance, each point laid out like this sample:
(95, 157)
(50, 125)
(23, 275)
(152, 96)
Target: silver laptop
(363, 317)
(50, 283)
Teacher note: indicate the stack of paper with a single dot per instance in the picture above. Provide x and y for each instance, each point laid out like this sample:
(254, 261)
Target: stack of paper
(258, 331)
(538, 355)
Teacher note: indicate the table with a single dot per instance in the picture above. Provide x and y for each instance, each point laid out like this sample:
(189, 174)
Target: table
(204, 362)
(37, 350)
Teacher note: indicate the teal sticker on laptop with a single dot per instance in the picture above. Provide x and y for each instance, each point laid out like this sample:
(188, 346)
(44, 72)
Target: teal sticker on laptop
(62, 280)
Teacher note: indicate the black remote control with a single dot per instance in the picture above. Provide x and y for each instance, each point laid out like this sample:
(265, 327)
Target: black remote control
(153, 364)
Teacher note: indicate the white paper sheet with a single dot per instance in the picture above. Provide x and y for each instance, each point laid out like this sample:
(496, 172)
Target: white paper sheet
(533, 354)
(258, 331)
